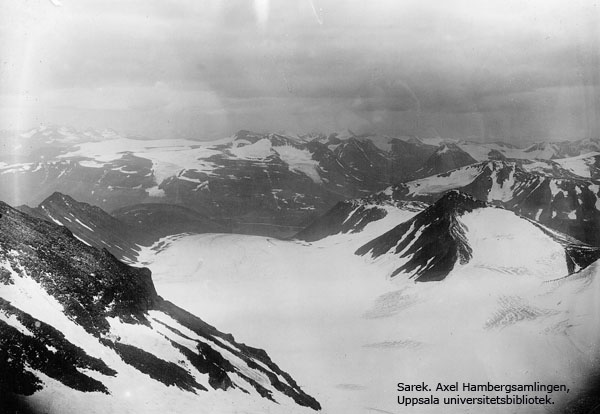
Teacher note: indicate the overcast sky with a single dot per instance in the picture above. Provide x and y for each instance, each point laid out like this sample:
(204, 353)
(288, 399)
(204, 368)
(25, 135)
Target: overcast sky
(487, 70)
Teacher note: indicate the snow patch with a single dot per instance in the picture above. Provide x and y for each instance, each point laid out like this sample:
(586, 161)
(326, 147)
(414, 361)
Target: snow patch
(300, 160)
(155, 192)
(260, 150)
(444, 182)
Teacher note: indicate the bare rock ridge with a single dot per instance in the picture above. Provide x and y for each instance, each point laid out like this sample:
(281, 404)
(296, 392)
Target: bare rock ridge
(542, 191)
(435, 240)
(92, 225)
(447, 157)
(352, 216)
(96, 299)
(552, 196)
(158, 220)
(125, 231)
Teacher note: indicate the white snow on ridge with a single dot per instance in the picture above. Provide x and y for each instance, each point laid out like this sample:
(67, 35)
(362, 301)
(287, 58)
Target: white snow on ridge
(480, 151)
(55, 220)
(15, 168)
(168, 156)
(300, 161)
(537, 166)
(27, 295)
(13, 321)
(260, 150)
(91, 164)
(503, 191)
(435, 141)
(81, 240)
(444, 182)
(579, 165)
(500, 238)
(84, 225)
(131, 391)
(555, 189)
(155, 192)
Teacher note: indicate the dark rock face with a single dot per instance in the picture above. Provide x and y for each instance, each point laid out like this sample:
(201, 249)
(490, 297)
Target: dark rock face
(160, 220)
(126, 230)
(410, 155)
(91, 283)
(447, 157)
(344, 217)
(94, 288)
(353, 216)
(92, 225)
(563, 202)
(272, 193)
(18, 350)
(433, 240)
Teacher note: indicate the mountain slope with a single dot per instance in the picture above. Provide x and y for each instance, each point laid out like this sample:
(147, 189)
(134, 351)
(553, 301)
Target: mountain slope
(447, 157)
(535, 151)
(586, 165)
(353, 216)
(541, 190)
(126, 230)
(567, 204)
(79, 329)
(319, 306)
(92, 225)
(160, 220)
(430, 245)
(249, 179)
(268, 183)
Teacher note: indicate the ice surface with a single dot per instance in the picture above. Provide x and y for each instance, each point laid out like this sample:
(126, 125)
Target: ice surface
(443, 182)
(300, 161)
(131, 392)
(168, 156)
(579, 165)
(348, 334)
(260, 150)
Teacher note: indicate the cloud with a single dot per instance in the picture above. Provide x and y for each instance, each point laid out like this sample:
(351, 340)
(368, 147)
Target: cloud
(305, 65)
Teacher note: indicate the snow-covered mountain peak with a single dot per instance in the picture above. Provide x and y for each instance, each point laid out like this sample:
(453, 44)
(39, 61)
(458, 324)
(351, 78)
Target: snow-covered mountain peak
(545, 150)
(447, 157)
(446, 147)
(276, 139)
(431, 243)
(452, 231)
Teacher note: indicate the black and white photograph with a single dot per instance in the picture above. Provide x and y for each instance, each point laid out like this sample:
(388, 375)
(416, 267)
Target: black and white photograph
(299, 207)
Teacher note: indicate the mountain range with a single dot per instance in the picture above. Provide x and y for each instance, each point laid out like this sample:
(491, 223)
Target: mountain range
(430, 245)
(259, 183)
(540, 190)
(110, 232)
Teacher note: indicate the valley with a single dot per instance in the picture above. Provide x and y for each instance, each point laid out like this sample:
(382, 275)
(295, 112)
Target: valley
(461, 268)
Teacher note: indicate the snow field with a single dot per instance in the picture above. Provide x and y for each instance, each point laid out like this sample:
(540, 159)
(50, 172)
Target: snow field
(132, 392)
(348, 334)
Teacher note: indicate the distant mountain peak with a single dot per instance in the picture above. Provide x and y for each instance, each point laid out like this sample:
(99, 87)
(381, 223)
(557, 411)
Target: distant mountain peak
(58, 196)
(456, 201)
(448, 156)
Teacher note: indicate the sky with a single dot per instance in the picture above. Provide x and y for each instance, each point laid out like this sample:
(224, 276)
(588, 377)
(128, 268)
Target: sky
(482, 70)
